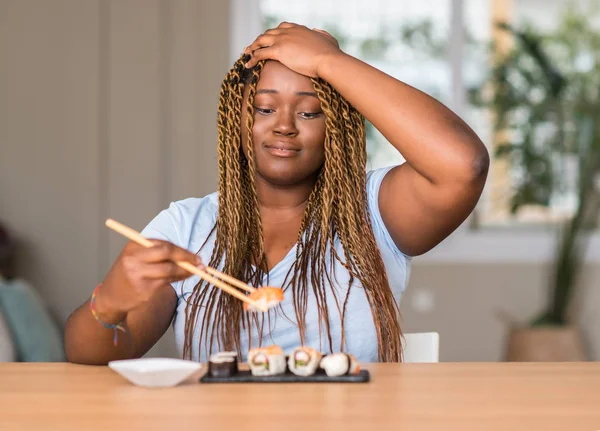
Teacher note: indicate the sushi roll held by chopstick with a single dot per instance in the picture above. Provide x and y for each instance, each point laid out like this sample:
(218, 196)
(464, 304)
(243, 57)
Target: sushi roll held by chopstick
(266, 361)
(304, 361)
(264, 298)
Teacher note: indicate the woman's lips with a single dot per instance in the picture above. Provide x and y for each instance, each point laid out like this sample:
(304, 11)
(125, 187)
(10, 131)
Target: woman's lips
(282, 150)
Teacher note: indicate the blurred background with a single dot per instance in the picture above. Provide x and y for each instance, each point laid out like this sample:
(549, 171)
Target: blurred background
(108, 109)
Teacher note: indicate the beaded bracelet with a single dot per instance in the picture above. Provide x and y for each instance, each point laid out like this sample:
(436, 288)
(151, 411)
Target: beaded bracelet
(118, 327)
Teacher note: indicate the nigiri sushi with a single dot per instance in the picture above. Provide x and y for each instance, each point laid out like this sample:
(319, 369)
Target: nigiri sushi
(266, 297)
(339, 364)
(266, 361)
(304, 361)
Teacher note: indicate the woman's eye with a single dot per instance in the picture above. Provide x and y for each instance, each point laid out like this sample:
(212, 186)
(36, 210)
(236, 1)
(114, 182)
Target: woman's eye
(263, 111)
(309, 115)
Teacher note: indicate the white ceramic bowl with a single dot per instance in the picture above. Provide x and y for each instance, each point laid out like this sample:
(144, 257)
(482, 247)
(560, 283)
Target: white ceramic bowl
(155, 372)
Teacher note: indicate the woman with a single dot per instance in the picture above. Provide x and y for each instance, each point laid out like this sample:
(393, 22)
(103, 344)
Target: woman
(296, 209)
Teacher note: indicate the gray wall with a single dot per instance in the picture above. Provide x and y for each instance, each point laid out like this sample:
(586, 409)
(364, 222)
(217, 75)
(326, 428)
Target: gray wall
(108, 109)
(468, 305)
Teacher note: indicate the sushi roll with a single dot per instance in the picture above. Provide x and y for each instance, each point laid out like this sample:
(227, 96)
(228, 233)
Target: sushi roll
(340, 364)
(223, 364)
(265, 297)
(304, 361)
(266, 361)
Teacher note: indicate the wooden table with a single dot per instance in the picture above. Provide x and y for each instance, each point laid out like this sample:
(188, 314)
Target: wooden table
(407, 397)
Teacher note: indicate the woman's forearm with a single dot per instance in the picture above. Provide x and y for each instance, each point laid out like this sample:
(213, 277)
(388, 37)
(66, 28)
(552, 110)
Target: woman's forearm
(433, 140)
(88, 342)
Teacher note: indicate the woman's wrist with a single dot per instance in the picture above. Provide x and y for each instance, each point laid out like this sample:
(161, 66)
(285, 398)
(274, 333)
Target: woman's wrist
(105, 310)
(327, 64)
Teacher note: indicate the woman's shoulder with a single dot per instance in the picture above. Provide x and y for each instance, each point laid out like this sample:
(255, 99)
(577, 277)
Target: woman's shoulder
(192, 208)
(183, 221)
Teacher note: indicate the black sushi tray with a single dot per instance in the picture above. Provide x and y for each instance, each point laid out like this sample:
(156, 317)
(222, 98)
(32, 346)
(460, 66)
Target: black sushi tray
(245, 376)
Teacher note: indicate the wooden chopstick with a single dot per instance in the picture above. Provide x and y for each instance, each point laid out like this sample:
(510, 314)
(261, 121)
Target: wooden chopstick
(131, 234)
(231, 280)
(136, 237)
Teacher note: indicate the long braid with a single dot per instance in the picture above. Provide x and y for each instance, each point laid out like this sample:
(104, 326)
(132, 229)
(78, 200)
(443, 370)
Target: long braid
(253, 201)
(334, 213)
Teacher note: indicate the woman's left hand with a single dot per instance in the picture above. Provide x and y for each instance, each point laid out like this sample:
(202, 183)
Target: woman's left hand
(295, 46)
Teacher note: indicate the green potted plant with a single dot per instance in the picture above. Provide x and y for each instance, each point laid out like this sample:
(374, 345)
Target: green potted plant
(545, 95)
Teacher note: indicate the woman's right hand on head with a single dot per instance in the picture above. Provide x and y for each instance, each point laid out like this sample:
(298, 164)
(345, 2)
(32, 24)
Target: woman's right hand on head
(137, 273)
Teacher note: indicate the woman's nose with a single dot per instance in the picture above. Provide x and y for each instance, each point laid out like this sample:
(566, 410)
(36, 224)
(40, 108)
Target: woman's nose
(285, 125)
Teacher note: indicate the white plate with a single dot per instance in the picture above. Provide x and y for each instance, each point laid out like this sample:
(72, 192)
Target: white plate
(155, 372)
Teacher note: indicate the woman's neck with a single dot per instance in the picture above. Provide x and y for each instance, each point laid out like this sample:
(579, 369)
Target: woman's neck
(288, 199)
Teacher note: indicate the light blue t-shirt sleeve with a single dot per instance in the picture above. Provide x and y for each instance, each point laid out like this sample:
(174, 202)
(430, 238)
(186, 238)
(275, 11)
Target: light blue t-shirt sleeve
(397, 263)
(187, 224)
(165, 226)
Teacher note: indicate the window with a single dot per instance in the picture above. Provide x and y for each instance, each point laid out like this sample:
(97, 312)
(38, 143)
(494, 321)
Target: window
(539, 176)
(374, 32)
(442, 48)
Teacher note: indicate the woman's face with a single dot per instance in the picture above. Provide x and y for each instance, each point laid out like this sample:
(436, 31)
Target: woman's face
(289, 127)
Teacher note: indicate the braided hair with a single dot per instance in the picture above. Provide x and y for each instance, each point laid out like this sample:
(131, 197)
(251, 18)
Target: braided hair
(333, 211)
